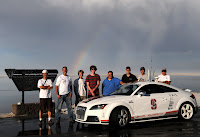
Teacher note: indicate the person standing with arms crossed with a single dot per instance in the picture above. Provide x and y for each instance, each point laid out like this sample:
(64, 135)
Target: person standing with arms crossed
(64, 94)
(92, 82)
(45, 86)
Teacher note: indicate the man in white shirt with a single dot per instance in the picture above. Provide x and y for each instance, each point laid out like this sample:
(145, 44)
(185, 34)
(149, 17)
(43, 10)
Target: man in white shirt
(45, 86)
(164, 78)
(80, 89)
(64, 94)
(143, 76)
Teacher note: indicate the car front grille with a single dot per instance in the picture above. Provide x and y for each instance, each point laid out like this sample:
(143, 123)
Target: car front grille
(80, 112)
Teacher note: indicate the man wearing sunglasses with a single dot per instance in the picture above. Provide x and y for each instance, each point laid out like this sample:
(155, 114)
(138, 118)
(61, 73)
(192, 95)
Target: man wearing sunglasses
(164, 78)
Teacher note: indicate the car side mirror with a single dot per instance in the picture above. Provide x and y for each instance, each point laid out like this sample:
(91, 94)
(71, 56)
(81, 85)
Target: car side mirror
(141, 93)
(188, 90)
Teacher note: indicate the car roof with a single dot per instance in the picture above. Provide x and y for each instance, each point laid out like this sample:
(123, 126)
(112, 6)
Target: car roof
(157, 83)
(147, 83)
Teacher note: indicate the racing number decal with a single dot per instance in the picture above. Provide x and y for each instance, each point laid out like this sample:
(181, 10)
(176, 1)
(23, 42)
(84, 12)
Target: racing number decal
(153, 104)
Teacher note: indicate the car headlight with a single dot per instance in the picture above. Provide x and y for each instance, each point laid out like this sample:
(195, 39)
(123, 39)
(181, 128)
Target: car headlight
(97, 107)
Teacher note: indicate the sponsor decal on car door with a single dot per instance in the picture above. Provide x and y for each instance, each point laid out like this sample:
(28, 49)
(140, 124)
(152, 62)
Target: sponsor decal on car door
(153, 104)
(150, 106)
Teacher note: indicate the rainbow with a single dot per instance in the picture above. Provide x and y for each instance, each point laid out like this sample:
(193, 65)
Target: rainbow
(88, 48)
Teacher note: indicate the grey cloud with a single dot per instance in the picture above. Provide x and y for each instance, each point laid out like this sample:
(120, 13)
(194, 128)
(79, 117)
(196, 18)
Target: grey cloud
(117, 29)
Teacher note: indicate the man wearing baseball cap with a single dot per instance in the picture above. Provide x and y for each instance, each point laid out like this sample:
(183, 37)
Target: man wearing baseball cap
(45, 86)
(164, 78)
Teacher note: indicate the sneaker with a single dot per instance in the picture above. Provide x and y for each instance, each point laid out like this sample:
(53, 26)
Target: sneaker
(40, 124)
(50, 122)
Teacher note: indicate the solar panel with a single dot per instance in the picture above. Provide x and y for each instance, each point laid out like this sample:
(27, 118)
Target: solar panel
(27, 79)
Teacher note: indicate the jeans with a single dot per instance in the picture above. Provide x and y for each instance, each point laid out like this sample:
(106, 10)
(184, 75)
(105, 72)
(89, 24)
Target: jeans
(67, 100)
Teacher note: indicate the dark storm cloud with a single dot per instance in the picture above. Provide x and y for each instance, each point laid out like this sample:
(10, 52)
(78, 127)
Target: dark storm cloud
(116, 29)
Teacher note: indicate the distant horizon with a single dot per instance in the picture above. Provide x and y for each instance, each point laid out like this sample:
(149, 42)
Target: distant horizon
(120, 74)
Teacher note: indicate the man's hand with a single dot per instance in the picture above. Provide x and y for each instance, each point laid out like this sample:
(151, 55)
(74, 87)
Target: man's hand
(166, 82)
(93, 94)
(48, 87)
(43, 87)
(70, 96)
(58, 96)
(57, 93)
(92, 90)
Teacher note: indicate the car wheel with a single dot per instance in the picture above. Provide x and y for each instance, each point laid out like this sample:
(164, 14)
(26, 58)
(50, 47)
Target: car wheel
(120, 117)
(186, 111)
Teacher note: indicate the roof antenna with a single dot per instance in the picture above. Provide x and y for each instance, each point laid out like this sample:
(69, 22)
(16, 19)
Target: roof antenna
(151, 68)
(149, 71)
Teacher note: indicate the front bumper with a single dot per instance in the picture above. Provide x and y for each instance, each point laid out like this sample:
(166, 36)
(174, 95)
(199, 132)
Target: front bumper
(97, 123)
(91, 116)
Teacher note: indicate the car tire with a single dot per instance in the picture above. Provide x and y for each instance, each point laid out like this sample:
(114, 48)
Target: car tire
(186, 111)
(120, 117)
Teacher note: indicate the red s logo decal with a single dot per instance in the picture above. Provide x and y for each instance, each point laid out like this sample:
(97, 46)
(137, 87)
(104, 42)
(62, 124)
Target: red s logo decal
(153, 104)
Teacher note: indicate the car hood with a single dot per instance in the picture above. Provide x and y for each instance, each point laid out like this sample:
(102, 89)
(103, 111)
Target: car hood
(101, 100)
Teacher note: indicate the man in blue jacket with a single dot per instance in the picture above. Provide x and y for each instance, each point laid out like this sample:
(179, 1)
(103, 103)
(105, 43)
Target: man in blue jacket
(110, 84)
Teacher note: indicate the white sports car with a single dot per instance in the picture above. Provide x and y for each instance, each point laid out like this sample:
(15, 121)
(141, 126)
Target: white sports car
(138, 102)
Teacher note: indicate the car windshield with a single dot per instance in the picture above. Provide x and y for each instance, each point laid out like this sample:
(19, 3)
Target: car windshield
(126, 89)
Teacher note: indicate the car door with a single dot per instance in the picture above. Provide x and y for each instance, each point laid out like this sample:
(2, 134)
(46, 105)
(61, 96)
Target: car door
(173, 97)
(154, 103)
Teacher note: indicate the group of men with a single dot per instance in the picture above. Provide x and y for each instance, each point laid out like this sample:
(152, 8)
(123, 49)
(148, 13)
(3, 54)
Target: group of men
(81, 85)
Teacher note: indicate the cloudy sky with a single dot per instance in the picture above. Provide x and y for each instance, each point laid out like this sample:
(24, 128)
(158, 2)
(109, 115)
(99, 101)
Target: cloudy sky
(110, 34)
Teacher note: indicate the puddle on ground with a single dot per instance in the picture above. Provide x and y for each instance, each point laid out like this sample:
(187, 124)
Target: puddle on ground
(167, 128)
